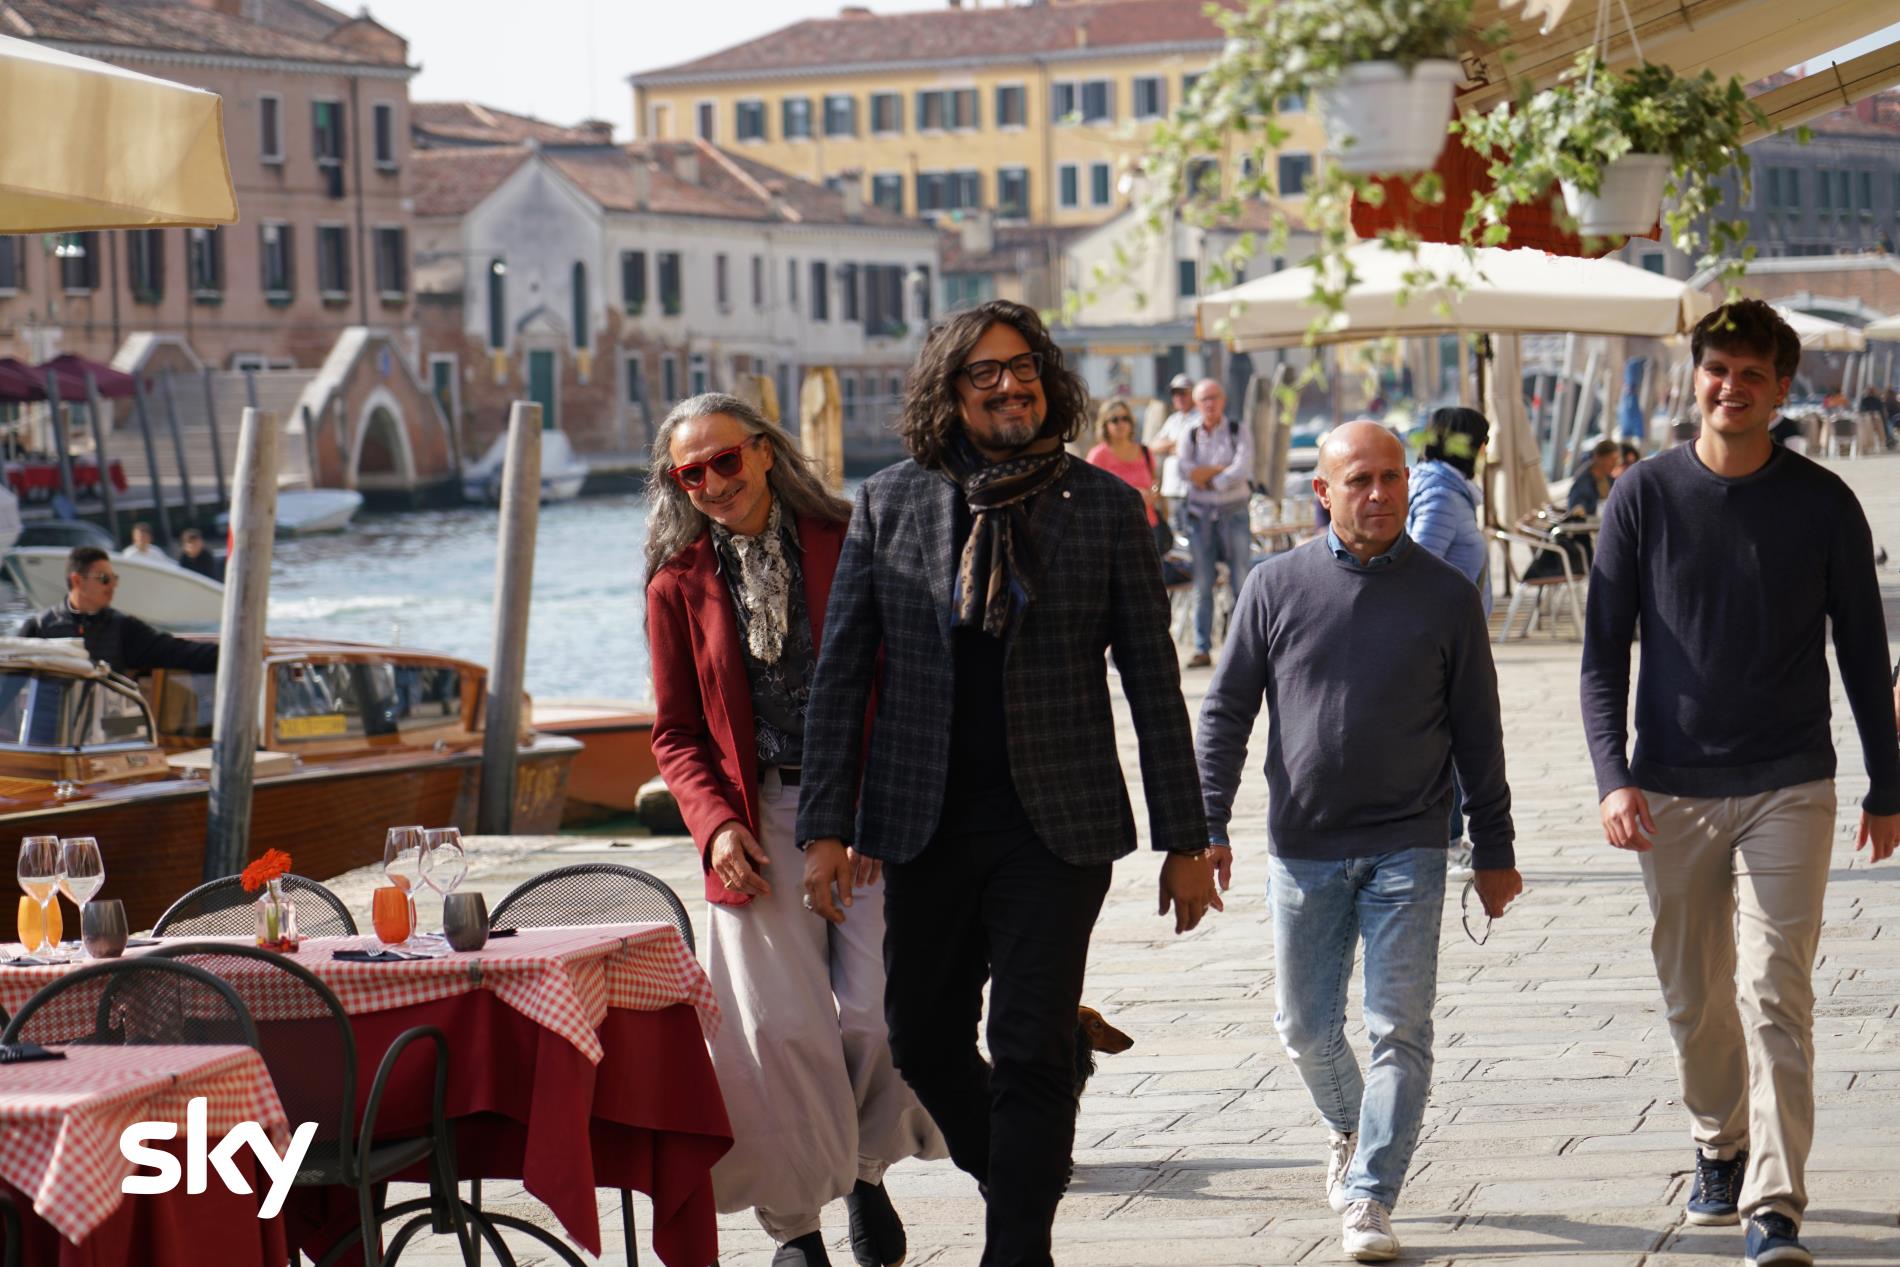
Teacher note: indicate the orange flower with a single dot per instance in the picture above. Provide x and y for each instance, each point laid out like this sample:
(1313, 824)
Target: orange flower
(274, 865)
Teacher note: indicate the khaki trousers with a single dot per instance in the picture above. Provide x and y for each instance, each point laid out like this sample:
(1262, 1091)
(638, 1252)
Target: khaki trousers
(1735, 885)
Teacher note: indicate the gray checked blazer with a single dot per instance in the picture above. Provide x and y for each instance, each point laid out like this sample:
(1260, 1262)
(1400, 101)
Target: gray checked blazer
(1100, 591)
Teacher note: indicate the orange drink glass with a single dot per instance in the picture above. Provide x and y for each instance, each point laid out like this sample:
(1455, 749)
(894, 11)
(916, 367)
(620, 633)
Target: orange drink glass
(393, 914)
(28, 922)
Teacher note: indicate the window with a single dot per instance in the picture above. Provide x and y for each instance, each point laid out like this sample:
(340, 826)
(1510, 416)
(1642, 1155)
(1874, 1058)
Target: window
(392, 262)
(1296, 171)
(670, 283)
(497, 305)
(699, 376)
(949, 191)
(1062, 102)
(636, 383)
(887, 191)
(1186, 279)
(1784, 188)
(1291, 103)
(922, 273)
(748, 121)
(323, 701)
(204, 261)
(758, 282)
(1012, 192)
(444, 384)
(1823, 191)
(966, 290)
(1099, 185)
(383, 123)
(1203, 177)
(1652, 261)
(1188, 80)
(78, 255)
(848, 292)
(1068, 185)
(106, 715)
(670, 379)
(274, 260)
(580, 309)
(841, 114)
(12, 264)
(1864, 191)
(327, 120)
(270, 128)
(1098, 101)
(659, 121)
(1151, 97)
(1012, 106)
(795, 118)
(145, 265)
(633, 282)
(887, 114)
(791, 283)
(333, 261)
(707, 121)
(820, 293)
(946, 109)
(722, 283)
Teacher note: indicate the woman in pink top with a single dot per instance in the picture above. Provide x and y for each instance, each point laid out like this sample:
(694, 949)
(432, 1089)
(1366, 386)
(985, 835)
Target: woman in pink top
(1120, 454)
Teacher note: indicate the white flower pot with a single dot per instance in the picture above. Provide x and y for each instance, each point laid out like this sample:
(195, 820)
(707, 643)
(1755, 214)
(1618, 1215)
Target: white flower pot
(1379, 119)
(1628, 199)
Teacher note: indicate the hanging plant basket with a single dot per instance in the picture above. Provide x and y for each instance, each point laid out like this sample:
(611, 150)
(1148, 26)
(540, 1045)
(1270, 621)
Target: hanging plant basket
(1628, 197)
(1380, 117)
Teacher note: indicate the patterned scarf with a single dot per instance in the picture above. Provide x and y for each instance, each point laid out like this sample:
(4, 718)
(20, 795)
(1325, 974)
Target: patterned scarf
(765, 586)
(999, 566)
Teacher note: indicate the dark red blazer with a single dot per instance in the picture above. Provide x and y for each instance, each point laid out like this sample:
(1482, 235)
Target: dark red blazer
(703, 735)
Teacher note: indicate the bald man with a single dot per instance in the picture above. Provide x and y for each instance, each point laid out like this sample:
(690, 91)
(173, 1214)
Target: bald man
(1372, 657)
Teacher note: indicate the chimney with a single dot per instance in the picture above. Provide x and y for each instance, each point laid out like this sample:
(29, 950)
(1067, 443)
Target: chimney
(854, 11)
(851, 189)
(978, 233)
(642, 183)
(686, 164)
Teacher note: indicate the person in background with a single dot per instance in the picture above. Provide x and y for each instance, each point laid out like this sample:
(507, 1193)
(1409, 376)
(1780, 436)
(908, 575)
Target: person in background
(143, 548)
(1592, 483)
(125, 643)
(1165, 444)
(1217, 458)
(193, 556)
(1118, 453)
(1442, 517)
(1627, 455)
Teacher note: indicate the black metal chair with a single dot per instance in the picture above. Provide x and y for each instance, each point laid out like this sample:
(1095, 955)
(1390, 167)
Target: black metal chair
(134, 1002)
(221, 908)
(594, 893)
(309, 1047)
(9, 1233)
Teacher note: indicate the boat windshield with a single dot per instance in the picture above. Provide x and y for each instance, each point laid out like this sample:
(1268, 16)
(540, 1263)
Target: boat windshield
(54, 712)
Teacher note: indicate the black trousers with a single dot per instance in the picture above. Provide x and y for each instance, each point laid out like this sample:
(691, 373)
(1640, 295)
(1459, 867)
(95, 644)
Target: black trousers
(1001, 907)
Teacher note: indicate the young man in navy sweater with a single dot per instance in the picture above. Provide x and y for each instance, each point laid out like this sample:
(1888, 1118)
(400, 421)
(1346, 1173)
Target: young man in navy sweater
(1735, 553)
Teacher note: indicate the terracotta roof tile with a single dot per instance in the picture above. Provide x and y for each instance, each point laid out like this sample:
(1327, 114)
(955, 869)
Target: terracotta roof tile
(469, 123)
(452, 182)
(1012, 34)
(178, 28)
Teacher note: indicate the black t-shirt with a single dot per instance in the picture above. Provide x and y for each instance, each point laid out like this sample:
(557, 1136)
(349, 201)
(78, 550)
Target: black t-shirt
(1785, 429)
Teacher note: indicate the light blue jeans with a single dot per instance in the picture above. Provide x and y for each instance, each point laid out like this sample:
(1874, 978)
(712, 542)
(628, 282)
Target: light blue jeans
(1214, 535)
(1320, 911)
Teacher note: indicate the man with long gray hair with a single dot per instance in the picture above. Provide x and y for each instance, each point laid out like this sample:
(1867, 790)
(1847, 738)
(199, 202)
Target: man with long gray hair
(742, 542)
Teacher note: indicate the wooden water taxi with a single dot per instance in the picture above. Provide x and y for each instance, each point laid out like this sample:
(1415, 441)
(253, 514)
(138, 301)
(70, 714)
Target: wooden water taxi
(616, 759)
(356, 739)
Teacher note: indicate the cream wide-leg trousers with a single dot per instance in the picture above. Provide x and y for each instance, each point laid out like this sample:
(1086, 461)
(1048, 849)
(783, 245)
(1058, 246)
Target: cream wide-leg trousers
(803, 1058)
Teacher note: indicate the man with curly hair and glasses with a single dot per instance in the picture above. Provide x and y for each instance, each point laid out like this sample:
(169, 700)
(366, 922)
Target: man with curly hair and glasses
(981, 586)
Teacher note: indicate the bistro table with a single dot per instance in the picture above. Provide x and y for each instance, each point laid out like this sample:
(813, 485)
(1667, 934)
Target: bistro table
(593, 1033)
(61, 1165)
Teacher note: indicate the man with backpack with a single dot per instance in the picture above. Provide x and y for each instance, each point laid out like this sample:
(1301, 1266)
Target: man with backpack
(1217, 463)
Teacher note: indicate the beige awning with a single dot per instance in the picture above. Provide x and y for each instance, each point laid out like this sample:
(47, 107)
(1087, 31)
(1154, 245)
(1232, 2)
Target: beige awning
(1885, 330)
(1818, 334)
(1506, 292)
(95, 146)
(1835, 87)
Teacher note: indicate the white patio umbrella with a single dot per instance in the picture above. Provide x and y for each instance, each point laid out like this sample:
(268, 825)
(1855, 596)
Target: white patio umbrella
(1885, 330)
(95, 146)
(1818, 334)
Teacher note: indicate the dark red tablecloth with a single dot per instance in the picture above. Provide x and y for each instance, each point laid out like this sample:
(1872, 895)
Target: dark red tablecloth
(522, 1097)
(216, 1227)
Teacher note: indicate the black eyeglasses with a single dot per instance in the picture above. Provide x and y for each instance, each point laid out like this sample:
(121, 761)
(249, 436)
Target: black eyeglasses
(984, 375)
(726, 463)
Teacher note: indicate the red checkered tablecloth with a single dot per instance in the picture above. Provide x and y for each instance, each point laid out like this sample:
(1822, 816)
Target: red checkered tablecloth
(60, 1120)
(561, 978)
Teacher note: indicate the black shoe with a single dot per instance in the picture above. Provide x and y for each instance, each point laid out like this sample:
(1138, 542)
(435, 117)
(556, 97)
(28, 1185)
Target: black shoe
(1774, 1241)
(804, 1251)
(877, 1234)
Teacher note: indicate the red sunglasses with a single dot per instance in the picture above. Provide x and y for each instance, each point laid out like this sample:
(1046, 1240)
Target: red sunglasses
(725, 463)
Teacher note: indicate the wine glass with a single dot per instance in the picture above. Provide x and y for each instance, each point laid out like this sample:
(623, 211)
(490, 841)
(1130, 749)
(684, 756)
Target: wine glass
(84, 871)
(444, 861)
(39, 873)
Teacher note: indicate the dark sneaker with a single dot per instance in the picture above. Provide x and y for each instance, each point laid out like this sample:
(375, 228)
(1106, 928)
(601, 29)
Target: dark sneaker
(1773, 1242)
(1199, 660)
(804, 1251)
(1712, 1196)
(877, 1234)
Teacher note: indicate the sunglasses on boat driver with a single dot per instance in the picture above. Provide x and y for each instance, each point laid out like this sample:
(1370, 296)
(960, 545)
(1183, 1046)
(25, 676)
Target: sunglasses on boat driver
(725, 463)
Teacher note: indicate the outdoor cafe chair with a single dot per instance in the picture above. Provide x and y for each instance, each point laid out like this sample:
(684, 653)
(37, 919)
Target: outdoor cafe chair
(1535, 587)
(221, 908)
(309, 1047)
(1843, 436)
(594, 893)
(134, 1002)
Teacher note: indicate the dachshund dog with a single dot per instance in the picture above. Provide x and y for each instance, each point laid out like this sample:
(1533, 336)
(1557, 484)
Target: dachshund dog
(1093, 1034)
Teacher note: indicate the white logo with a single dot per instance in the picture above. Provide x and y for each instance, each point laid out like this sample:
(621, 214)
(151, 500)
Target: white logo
(280, 1169)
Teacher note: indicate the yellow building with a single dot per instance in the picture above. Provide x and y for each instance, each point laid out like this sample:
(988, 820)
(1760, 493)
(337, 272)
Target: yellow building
(1034, 111)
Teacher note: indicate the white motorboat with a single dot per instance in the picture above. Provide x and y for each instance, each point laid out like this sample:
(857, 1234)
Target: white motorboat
(304, 511)
(161, 594)
(562, 473)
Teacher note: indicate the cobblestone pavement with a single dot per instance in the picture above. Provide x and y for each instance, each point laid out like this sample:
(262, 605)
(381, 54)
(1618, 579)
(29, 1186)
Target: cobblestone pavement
(1554, 1135)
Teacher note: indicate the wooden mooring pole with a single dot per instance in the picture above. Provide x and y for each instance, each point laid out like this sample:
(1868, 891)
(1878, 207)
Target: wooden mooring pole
(514, 586)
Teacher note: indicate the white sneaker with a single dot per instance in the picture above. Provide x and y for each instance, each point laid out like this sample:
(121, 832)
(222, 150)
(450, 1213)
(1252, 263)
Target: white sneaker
(1458, 865)
(1366, 1233)
(1338, 1162)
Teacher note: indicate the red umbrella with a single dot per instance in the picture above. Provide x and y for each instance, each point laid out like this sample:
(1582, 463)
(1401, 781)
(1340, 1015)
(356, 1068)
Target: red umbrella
(72, 370)
(20, 382)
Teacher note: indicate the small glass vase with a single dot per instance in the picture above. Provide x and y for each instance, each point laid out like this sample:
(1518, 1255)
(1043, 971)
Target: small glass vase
(276, 918)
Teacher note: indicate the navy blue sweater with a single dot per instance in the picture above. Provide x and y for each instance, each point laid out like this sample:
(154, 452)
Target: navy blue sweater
(1734, 581)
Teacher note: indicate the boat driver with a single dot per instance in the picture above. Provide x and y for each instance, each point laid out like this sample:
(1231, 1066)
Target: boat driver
(126, 643)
